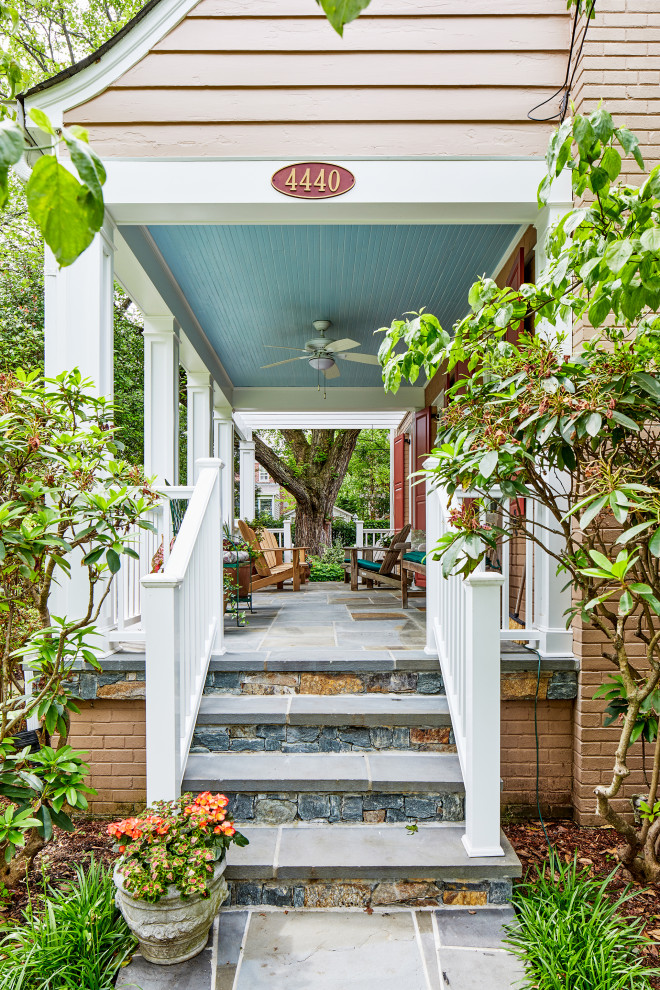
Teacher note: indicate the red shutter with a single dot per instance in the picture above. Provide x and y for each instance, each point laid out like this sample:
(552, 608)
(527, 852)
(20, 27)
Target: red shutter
(399, 480)
(422, 449)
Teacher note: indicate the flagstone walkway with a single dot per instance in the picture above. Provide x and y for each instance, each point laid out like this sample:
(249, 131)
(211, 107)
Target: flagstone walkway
(444, 949)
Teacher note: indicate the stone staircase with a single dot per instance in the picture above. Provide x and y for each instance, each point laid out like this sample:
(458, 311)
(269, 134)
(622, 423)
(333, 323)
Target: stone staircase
(341, 771)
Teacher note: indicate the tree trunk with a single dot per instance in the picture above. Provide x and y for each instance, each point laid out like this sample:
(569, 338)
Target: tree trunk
(312, 470)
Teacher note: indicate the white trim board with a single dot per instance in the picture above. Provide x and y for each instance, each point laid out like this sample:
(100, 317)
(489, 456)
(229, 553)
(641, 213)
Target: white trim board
(314, 418)
(364, 407)
(143, 192)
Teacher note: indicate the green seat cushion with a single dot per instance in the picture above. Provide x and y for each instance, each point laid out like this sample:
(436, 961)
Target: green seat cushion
(417, 556)
(369, 565)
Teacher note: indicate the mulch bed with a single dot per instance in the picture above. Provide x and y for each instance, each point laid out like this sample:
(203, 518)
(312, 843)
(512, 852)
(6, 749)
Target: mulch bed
(56, 863)
(596, 850)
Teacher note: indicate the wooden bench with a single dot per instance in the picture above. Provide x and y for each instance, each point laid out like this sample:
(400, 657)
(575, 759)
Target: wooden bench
(270, 566)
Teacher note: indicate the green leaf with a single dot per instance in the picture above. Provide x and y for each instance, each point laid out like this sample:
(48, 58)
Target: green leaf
(654, 543)
(593, 511)
(92, 173)
(58, 204)
(599, 310)
(649, 383)
(633, 532)
(617, 254)
(594, 423)
(113, 560)
(651, 240)
(340, 12)
(488, 463)
(611, 162)
(12, 146)
(42, 121)
(626, 603)
(624, 420)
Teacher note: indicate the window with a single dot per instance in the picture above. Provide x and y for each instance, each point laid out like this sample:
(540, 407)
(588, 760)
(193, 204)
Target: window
(264, 506)
(262, 474)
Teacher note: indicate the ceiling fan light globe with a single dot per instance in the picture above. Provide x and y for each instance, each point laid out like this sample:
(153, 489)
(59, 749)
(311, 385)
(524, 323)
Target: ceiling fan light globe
(321, 363)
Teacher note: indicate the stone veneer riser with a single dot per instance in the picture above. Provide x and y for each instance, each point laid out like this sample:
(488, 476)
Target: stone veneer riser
(324, 683)
(281, 807)
(366, 893)
(321, 739)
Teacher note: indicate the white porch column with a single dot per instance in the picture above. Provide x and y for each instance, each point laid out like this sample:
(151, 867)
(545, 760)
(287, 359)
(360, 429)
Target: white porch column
(79, 314)
(161, 399)
(79, 334)
(551, 597)
(286, 524)
(223, 448)
(200, 420)
(246, 479)
(546, 218)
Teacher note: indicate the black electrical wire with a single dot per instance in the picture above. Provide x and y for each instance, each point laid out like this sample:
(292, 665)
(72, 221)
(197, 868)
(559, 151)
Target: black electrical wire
(565, 88)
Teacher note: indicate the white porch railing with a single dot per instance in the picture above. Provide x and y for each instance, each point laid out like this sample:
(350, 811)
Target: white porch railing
(126, 609)
(182, 608)
(367, 537)
(466, 620)
(283, 536)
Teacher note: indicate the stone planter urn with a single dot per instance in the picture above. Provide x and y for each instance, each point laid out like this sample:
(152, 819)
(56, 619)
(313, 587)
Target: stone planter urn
(172, 929)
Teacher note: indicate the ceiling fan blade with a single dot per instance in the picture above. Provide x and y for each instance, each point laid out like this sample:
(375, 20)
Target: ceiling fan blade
(359, 358)
(279, 347)
(286, 361)
(332, 372)
(344, 344)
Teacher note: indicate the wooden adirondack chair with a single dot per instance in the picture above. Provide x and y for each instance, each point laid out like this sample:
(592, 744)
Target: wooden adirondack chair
(271, 569)
(363, 565)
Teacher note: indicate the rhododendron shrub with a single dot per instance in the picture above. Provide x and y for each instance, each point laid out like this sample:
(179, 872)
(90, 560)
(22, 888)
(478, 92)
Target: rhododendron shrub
(174, 844)
(575, 437)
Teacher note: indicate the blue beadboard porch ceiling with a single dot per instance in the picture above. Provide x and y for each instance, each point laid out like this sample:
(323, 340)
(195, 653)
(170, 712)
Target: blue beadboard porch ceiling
(254, 285)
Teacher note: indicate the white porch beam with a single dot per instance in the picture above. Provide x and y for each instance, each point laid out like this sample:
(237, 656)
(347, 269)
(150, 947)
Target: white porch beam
(223, 448)
(79, 314)
(363, 406)
(246, 479)
(396, 191)
(200, 420)
(161, 399)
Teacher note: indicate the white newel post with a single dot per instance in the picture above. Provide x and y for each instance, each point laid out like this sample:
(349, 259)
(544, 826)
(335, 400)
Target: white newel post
(551, 596)
(223, 448)
(79, 334)
(160, 618)
(200, 420)
(433, 567)
(359, 532)
(161, 399)
(286, 523)
(246, 478)
(482, 688)
(215, 576)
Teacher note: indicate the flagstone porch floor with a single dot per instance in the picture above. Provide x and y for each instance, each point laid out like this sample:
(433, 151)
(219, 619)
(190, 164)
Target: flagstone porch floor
(328, 618)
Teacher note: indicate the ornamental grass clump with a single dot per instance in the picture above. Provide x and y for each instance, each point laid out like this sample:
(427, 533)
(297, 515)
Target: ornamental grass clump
(174, 844)
(571, 935)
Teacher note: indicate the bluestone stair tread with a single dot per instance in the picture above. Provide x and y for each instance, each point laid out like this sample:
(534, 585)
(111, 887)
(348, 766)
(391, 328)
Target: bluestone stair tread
(310, 709)
(313, 659)
(306, 851)
(393, 772)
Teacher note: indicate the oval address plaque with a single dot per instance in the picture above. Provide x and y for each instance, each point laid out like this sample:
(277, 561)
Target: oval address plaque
(313, 180)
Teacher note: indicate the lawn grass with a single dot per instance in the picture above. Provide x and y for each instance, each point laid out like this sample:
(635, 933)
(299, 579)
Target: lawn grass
(571, 935)
(72, 937)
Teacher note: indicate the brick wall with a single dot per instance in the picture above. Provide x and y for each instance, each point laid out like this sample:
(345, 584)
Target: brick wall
(113, 734)
(518, 767)
(621, 66)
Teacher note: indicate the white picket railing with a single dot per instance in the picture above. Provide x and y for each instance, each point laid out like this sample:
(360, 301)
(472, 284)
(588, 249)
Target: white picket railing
(182, 607)
(368, 537)
(466, 620)
(126, 610)
(283, 536)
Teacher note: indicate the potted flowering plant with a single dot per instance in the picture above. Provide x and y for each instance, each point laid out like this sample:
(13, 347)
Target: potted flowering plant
(169, 876)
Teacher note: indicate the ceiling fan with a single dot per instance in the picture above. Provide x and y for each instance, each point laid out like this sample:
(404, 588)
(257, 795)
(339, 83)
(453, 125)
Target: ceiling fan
(322, 352)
